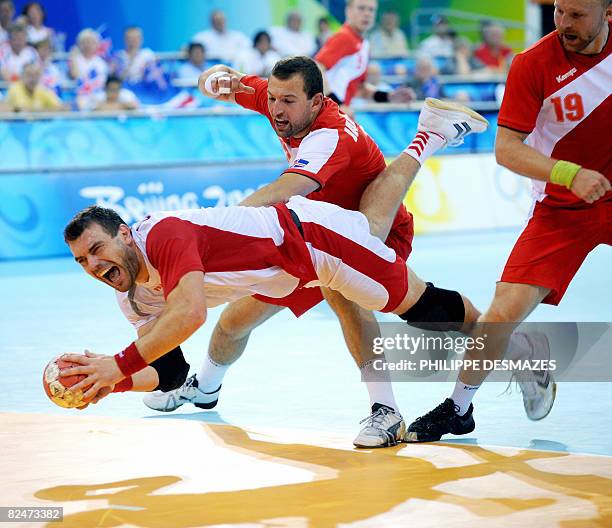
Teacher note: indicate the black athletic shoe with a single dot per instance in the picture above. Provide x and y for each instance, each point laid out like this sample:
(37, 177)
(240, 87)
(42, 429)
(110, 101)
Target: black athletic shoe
(442, 420)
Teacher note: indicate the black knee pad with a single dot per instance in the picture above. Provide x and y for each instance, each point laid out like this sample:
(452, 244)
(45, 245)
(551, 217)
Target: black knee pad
(437, 309)
(172, 370)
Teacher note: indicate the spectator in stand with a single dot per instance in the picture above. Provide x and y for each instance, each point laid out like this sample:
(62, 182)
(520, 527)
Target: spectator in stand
(493, 53)
(52, 77)
(375, 81)
(425, 82)
(87, 68)
(196, 63)
(219, 42)
(260, 59)
(16, 53)
(131, 63)
(389, 40)
(29, 95)
(323, 32)
(441, 43)
(7, 12)
(115, 97)
(291, 40)
(34, 17)
(463, 61)
(344, 60)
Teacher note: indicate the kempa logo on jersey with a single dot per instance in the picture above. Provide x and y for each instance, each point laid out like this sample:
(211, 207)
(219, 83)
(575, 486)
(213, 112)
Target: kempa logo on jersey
(561, 78)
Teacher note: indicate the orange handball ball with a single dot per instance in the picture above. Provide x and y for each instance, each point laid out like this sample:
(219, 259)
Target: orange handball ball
(59, 388)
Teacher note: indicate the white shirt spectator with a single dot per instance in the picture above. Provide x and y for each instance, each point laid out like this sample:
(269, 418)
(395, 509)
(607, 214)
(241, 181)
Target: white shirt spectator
(35, 35)
(188, 72)
(384, 44)
(436, 46)
(126, 96)
(3, 35)
(12, 64)
(52, 77)
(287, 42)
(132, 70)
(222, 46)
(85, 67)
(252, 62)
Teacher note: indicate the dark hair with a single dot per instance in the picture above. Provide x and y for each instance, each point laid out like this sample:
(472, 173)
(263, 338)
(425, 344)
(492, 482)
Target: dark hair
(194, 45)
(306, 67)
(113, 79)
(107, 219)
(26, 8)
(259, 35)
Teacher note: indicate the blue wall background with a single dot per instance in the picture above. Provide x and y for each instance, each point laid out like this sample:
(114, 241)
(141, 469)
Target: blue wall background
(52, 168)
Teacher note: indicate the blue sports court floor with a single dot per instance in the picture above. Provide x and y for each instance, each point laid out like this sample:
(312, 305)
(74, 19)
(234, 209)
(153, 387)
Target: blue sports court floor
(295, 386)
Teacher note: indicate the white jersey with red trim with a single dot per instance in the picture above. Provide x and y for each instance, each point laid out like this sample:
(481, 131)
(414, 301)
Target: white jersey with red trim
(243, 251)
(345, 56)
(563, 100)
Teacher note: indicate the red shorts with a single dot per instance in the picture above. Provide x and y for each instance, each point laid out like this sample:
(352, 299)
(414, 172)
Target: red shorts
(302, 300)
(555, 243)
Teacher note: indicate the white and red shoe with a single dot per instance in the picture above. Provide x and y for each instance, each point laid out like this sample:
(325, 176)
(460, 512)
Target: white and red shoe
(443, 123)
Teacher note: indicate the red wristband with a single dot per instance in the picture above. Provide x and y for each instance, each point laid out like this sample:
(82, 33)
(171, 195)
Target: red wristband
(124, 385)
(130, 361)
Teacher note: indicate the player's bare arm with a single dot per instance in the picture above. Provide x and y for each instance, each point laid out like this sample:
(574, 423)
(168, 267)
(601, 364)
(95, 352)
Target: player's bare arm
(185, 312)
(514, 154)
(287, 185)
(222, 83)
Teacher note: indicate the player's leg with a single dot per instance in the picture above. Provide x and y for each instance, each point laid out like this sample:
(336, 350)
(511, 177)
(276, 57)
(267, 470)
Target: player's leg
(348, 259)
(440, 124)
(511, 304)
(228, 341)
(545, 258)
(385, 426)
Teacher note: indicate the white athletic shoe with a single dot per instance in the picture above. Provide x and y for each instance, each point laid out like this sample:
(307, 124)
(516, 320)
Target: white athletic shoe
(537, 386)
(453, 121)
(383, 428)
(188, 392)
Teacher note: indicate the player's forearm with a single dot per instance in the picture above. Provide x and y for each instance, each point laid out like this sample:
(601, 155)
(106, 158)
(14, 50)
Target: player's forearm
(145, 381)
(175, 325)
(281, 190)
(512, 153)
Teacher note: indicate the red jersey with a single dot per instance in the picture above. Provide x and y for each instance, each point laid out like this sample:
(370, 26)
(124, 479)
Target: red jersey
(345, 56)
(241, 251)
(336, 153)
(563, 101)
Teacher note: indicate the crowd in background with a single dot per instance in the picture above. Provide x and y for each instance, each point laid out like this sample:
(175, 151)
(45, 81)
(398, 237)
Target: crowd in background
(100, 78)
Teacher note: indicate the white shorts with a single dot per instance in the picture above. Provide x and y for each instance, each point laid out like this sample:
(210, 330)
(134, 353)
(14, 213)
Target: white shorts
(348, 259)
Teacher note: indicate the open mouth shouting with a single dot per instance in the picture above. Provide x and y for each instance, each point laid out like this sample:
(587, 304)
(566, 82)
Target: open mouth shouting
(110, 274)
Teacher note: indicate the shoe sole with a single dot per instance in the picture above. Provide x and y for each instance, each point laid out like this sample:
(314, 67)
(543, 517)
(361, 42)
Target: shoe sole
(455, 107)
(412, 438)
(210, 405)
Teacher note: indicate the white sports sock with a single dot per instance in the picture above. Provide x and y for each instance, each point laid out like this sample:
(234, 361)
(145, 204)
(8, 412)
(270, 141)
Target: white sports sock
(462, 396)
(379, 385)
(424, 144)
(211, 375)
